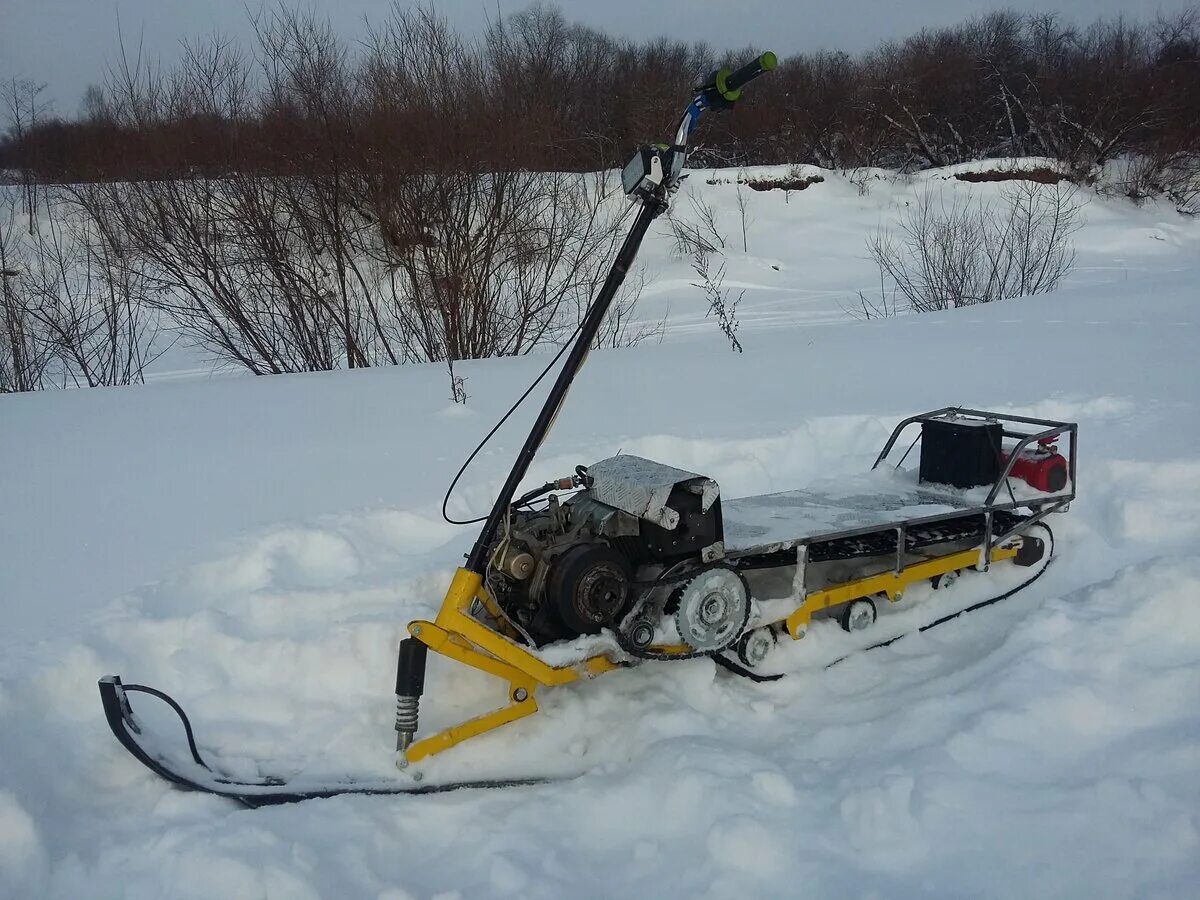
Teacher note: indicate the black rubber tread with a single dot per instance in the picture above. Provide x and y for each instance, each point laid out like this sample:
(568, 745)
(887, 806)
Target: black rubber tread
(962, 612)
(755, 676)
(738, 669)
(883, 543)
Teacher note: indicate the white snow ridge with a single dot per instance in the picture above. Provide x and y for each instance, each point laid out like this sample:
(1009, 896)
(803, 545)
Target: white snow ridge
(255, 547)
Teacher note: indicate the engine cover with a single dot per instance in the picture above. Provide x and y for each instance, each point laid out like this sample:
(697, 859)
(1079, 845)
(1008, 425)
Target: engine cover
(679, 511)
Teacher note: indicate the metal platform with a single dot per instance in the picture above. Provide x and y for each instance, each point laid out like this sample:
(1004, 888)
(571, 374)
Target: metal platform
(887, 499)
(848, 507)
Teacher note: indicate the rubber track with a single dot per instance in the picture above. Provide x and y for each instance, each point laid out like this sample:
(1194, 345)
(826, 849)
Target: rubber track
(882, 543)
(738, 669)
(981, 605)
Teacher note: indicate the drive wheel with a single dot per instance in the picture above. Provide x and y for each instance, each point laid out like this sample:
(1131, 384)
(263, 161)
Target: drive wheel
(711, 609)
(858, 615)
(754, 646)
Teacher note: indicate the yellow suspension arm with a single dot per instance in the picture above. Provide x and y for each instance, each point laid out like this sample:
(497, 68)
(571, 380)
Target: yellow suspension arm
(459, 636)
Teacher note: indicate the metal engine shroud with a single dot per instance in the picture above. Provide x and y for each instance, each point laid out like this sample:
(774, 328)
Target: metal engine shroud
(573, 567)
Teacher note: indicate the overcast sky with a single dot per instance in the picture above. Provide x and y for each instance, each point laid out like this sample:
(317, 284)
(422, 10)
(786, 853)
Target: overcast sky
(67, 43)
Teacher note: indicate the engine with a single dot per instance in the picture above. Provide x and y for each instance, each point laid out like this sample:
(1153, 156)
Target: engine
(579, 565)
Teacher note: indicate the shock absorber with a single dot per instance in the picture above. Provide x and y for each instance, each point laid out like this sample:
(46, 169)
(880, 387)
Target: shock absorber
(410, 684)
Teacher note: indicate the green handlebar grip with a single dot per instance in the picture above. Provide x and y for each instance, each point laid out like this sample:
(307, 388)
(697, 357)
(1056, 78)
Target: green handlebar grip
(730, 83)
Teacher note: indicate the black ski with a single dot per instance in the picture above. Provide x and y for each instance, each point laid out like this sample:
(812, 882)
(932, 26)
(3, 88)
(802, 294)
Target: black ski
(266, 792)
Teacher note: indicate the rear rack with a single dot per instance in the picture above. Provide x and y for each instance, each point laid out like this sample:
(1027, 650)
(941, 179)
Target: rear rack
(1033, 431)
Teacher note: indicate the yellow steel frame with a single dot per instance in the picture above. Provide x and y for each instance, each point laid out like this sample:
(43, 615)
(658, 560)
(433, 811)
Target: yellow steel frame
(461, 637)
(890, 584)
(458, 635)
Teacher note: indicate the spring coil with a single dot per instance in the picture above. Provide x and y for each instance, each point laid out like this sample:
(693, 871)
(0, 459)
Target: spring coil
(407, 708)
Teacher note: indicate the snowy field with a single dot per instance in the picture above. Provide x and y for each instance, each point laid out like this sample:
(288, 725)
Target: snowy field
(256, 546)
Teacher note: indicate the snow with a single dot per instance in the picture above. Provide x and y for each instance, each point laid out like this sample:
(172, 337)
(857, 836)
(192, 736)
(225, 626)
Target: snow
(256, 546)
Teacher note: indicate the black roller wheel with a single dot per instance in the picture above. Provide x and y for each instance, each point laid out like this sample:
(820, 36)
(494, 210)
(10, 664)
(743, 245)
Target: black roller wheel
(858, 615)
(753, 647)
(944, 580)
(641, 633)
(588, 587)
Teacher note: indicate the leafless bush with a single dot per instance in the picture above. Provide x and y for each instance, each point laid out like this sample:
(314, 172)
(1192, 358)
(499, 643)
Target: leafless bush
(25, 348)
(458, 384)
(860, 178)
(24, 107)
(91, 302)
(74, 312)
(226, 272)
(495, 263)
(620, 326)
(741, 205)
(884, 306)
(1173, 175)
(1181, 182)
(712, 282)
(385, 239)
(952, 252)
(697, 232)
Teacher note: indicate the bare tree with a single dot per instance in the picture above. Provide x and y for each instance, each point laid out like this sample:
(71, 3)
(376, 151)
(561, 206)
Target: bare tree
(356, 250)
(25, 109)
(741, 205)
(870, 307)
(997, 85)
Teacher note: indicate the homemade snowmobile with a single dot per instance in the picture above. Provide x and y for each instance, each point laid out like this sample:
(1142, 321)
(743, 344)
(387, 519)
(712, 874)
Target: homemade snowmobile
(628, 560)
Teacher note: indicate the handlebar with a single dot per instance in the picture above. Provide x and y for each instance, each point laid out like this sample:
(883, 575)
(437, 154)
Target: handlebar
(732, 82)
(721, 91)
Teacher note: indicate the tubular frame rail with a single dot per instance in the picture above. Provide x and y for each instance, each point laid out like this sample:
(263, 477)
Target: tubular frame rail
(1045, 429)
